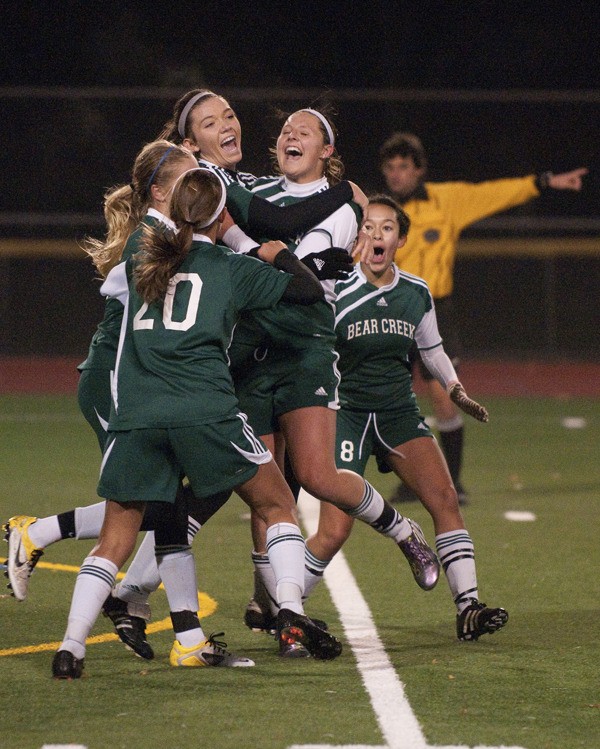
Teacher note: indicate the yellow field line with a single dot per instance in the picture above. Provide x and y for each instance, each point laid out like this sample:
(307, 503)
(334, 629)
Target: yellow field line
(60, 567)
(56, 567)
(206, 607)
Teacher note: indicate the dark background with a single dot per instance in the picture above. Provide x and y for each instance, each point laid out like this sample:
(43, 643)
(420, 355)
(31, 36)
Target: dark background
(494, 90)
(455, 44)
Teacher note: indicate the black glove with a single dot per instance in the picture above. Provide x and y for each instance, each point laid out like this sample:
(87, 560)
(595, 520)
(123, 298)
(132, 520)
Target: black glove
(331, 263)
(468, 405)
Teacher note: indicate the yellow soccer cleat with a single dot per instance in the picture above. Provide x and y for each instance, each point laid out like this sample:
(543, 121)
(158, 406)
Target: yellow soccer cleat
(211, 652)
(23, 555)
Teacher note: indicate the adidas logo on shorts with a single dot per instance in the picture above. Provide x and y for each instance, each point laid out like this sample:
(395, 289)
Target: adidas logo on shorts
(321, 391)
(381, 302)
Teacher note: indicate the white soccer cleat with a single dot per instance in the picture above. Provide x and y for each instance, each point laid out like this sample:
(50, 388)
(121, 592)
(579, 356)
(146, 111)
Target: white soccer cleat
(23, 555)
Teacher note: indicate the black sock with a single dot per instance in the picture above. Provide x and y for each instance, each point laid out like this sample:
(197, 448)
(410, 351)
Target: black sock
(66, 523)
(452, 445)
(386, 520)
(184, 620)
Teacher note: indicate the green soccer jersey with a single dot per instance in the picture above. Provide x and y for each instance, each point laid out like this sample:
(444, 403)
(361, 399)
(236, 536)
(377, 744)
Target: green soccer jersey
(292, 326)
(103, 347)
(172, 367)
(375, 329)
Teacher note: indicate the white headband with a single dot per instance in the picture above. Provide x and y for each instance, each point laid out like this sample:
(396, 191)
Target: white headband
(326, 124)
(186, 110)
(221, 204)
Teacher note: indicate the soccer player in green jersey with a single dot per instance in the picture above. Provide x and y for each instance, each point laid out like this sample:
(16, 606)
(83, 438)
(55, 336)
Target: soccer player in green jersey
(380, 312)
(206, 123)
(173, 398)
(292, 387)
(128, 208)
(440, 212)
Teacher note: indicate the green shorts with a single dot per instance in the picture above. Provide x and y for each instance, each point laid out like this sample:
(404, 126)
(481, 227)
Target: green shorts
(93, 396)
(360, 434)
(285, 381)
(146, 465)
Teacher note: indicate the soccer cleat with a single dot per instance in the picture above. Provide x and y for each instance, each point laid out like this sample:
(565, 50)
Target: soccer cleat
(130, 629)
(292, 650)
(259, 620)
(66, 666)
(422, 559)
(211, 652)
(477, 620)
(23, 555)
(297, 628)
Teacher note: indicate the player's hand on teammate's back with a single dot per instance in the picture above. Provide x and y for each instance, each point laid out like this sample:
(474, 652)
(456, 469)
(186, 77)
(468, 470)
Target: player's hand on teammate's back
(268, 251)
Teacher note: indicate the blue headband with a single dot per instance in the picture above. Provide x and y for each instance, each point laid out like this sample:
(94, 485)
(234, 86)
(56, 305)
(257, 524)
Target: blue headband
(158, 166)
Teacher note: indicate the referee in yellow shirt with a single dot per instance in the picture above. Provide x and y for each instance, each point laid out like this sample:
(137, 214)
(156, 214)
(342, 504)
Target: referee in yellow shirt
(438, 212)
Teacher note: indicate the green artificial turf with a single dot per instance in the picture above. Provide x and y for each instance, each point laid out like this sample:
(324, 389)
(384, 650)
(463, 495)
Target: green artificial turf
(535, 684)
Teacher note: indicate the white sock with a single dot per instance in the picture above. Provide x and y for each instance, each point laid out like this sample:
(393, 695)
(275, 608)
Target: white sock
(178, 573)
(193, 528)
(94, 582)
(89, 520)
(313, 572)
(45, 531)
(285, 547)
(265, 586)
(142, 577)
(380, 515)
(457, 556)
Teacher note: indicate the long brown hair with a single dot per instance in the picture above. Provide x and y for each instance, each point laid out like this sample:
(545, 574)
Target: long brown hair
(196, 197)
(126, 205)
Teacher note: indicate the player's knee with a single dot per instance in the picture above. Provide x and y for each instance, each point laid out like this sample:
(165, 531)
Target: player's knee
(315, 480)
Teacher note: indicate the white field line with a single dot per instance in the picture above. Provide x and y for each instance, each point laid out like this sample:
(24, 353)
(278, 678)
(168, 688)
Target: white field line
(397, 721)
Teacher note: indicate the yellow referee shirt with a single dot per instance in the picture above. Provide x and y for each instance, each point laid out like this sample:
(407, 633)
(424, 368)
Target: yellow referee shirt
(438, 218)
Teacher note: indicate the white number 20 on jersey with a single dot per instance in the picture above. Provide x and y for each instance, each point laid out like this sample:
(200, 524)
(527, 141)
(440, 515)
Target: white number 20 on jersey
(192, 309)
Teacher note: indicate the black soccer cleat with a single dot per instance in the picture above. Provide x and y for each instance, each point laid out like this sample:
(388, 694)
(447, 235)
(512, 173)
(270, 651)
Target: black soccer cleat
(259, 620)
(130, 629)
(66, 666)
(477, 619)
(298, 628)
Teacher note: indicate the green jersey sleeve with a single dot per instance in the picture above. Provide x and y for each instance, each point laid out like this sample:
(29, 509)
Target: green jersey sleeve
(255, 284)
